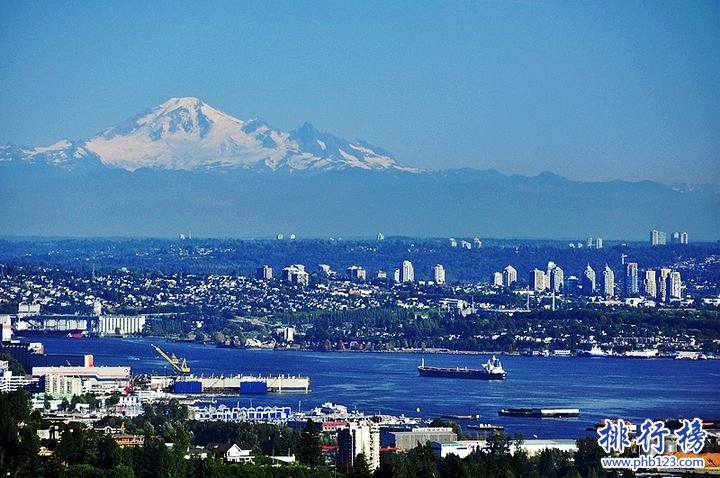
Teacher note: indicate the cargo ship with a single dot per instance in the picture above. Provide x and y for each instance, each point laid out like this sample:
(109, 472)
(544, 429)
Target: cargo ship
(491, 370)
(540, 412)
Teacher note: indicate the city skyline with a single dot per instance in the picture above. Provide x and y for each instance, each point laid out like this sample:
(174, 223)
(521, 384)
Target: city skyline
(591, 92)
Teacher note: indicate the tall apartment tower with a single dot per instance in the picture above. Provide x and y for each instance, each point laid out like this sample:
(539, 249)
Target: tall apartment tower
(608, 288)
(439, 274)
(588, 281)
(356, 273)
(557, 278)
(658, 238)
(264, 273)
(632, 279)
(661, 291)
(356, 438)
(599, 243)
(650, 284)
(537, 280)
(509, 276)
(673, 286)
(407, 273)
(497, 279)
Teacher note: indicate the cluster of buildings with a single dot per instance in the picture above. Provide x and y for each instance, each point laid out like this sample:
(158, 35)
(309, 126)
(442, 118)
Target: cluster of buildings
(660, 238)
(296, 273)
(663, 284)
(463, 244)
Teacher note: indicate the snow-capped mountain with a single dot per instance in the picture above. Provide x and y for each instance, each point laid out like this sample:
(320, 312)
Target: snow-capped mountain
(188, 134)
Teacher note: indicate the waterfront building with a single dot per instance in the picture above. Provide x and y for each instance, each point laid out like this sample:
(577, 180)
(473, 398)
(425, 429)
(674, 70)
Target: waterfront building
(608, 289)
(264, 273)
(121, 324)
(358, 437)
(658, 238)
(650, 284)
(407, 440)
(509, 276)
(439, 274)
(588, 281)
(631, 279)
(407, 272)
(537, 280)
(68, 381)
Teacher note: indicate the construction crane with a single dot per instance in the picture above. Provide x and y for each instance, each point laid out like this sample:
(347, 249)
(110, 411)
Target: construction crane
(181, 367)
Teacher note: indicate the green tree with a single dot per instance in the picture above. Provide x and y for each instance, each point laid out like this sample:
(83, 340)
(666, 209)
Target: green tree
(309, 452)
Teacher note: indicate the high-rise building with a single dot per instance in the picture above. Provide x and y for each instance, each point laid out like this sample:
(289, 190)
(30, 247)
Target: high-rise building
(439, 274)
(295, 274)
(477, 243)
(572, 285)
(264, 273)
(497, 279)
(509, 276)
(537, 280)
(356, 438)
(356, 273)
(380, 236)
(608, 289)
(673, 286)
(588, 281)
(658, 238)
(661, 291)
(407, 273)
(679, 238)
(550, 266)
(650, 284)
(632, 279)
(590, 242)
(557, 278)
(599, 243)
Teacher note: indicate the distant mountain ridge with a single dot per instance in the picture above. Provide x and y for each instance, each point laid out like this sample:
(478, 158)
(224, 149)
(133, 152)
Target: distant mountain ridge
(188, 134)
(184, 165)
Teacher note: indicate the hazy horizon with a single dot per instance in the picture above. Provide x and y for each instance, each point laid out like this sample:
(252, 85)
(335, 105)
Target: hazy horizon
(592, 92)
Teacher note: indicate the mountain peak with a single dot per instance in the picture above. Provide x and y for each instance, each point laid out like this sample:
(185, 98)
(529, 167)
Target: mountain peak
(186, 133)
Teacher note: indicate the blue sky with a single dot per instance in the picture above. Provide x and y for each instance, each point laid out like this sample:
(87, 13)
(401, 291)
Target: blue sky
(589, 90)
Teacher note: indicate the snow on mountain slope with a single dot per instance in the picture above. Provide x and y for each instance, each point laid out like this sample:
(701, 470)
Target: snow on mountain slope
(187, 134)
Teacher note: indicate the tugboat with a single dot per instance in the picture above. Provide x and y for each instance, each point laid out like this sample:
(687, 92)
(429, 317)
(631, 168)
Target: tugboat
(491, 370)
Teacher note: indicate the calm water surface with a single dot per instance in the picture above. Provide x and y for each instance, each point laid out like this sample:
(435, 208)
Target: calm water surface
(388, 383)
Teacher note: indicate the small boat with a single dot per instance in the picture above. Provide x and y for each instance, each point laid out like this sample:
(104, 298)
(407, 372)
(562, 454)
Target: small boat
(485, 426)
(462, 417)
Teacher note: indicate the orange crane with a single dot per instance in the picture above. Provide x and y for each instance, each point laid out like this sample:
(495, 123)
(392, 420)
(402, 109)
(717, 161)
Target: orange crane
(181, 367)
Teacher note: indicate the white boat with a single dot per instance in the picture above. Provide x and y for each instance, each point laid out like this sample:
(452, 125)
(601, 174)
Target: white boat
(595, 351)
(687, 355)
